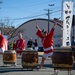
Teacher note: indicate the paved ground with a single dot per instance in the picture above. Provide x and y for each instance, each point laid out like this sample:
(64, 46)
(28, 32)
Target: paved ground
(18, 70)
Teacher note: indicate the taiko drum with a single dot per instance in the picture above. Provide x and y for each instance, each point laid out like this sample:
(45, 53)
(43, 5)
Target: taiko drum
(63, 58)
(9, 57)
(29, 58)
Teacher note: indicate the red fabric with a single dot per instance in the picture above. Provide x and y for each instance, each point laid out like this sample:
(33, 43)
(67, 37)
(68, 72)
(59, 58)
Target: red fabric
(48, 40)
(20, 44)
(19, 51)
(1, 41)
(5, 44)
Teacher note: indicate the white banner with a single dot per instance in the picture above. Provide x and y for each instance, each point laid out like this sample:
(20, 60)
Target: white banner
(67, 22)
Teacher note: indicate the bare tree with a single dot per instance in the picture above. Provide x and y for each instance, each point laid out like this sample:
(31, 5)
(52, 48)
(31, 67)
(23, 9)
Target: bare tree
(6, 26)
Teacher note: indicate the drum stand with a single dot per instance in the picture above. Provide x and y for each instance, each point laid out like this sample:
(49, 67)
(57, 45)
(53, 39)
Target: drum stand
(69, 72)
(34, 67)
(12, 64)
(55, 73)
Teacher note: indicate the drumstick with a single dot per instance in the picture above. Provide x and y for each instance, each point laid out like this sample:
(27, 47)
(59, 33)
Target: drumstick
(37, 25)
(58, 23)
(36, 22)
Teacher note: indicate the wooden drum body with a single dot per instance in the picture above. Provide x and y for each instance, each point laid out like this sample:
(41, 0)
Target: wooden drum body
(29, 59)
(63, 58)
(9, 57)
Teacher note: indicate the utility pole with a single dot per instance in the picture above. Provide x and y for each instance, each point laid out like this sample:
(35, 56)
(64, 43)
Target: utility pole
(49, 15)
(48, 18)
(0, 8)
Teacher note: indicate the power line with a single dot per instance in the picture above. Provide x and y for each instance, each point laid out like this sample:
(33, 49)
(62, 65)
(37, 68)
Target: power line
(33, 16)
(31, 4)
(55, 11)
(27, 17)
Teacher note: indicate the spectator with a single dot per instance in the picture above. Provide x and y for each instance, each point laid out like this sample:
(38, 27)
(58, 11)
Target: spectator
(36, 45)
(14, 44)
(73, 46)
(72, 41)
(30, 43)
(20, 44)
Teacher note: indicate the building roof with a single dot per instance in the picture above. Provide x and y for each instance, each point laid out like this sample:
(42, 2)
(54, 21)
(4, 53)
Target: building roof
(59, 22)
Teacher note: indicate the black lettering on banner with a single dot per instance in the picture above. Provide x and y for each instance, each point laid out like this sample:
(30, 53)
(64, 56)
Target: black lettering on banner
(67, 26)
(67, 19)
(67, 43)
(68, 6)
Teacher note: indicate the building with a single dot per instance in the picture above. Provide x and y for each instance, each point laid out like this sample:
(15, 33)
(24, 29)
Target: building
(28, 29)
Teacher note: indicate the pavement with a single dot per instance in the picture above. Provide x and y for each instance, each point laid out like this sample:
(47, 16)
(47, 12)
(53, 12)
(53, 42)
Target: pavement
(18, 70)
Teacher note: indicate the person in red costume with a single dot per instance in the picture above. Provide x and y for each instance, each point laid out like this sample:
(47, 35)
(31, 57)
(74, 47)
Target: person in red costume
(47, 42)
(20, 44)
(1, 42)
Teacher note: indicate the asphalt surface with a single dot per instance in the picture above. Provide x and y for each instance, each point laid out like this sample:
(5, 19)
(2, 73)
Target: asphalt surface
(48, 69)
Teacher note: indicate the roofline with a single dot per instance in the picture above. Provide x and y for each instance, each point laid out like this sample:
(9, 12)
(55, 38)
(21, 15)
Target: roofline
(36, 19)
(39, 19)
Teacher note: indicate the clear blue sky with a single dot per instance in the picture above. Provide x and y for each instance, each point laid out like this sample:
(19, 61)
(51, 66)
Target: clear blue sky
(20, 11)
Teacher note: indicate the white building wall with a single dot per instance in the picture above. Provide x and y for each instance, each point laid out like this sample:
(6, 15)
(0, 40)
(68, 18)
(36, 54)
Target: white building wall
(29, 31)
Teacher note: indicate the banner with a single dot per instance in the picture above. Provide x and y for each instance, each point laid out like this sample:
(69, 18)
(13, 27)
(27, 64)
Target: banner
(67, 22)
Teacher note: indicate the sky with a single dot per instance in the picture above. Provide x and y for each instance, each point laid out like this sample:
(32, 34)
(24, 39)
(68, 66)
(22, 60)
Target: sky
(20, 11)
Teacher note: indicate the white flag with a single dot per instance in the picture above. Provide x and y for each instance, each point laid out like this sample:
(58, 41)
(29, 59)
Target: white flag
(67, 22)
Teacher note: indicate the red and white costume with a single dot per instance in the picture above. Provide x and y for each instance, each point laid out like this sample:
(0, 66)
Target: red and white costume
(3, 44)
(20, 45)
(47, 41)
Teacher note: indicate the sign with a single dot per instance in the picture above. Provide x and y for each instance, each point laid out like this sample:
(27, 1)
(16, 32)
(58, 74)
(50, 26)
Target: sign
(67, 22)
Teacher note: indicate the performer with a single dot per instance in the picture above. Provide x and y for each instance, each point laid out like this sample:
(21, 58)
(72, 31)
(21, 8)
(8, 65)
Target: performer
(3, 43)
(47, 41)
(20, 44)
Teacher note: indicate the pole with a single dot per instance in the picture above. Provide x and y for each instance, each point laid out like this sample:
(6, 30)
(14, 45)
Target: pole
(48, 20)
(49, 16)
(62, 10)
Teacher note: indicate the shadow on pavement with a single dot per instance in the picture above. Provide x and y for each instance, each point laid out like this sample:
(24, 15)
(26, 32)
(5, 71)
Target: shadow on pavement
(4, 70)
(48, 65)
